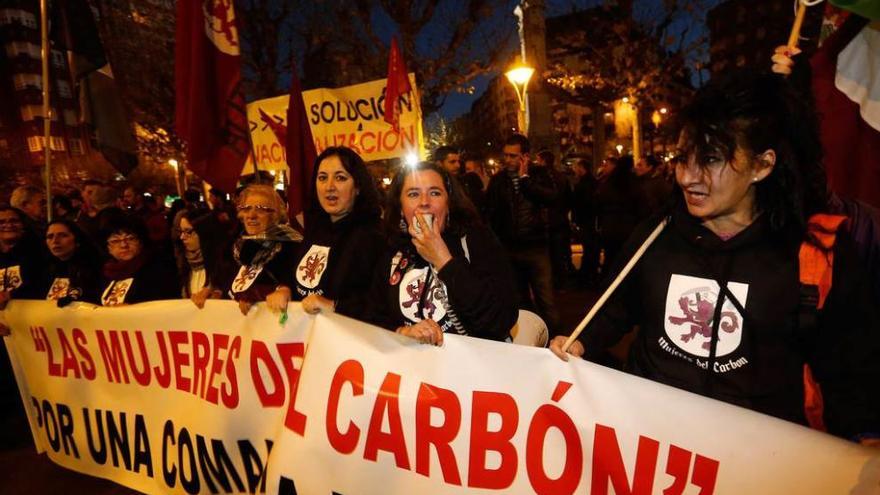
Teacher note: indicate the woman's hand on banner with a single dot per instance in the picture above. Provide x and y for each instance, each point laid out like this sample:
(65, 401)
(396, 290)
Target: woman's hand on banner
(277, 301)
(576, 349)
(201, 296)
(425, 331)
(314, 304)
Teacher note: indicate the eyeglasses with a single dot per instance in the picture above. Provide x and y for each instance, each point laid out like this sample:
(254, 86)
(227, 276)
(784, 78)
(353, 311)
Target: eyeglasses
(187, 232)
(257, 208)
(118, 241)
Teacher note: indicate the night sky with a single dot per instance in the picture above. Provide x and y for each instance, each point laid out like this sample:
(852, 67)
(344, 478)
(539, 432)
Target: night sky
(460, 103)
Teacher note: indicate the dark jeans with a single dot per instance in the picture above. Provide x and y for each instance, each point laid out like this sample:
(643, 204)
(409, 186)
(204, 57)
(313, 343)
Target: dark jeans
(560, 256)
(535, 283)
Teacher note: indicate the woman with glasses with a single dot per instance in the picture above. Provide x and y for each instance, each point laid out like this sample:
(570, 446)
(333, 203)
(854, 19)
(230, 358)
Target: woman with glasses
(74, 265)
(343, 239)
(205, 273)
(134, 273)
(445, 271)
(22, 259)
(752, 279)
(265, 250)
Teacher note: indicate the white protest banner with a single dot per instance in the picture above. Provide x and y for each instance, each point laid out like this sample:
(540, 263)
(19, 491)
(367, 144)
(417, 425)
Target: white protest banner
(349, 116)
(161, 397)
(385, 415)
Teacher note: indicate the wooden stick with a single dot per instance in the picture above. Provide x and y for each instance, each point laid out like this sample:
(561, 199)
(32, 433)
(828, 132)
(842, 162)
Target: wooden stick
(617, 280)
(798, 22)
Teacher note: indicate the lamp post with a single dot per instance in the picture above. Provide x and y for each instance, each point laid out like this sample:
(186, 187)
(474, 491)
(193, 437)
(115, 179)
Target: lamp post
(519, 77)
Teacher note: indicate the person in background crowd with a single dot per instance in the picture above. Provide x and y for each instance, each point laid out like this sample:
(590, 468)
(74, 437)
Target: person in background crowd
(265, 252)
(449, 158)
(343, 239)
(132, 201)
(617, 205)
(63, 208)
(654, 189)
(585, 220)
(559, 229)
(475, 164)
(31, 201)
(201, 250)
(516, 208)
(134, 273)
(722, 301)
(22, 259)
(74, 267)
(100, 210)
(223, 210)
(444, 271)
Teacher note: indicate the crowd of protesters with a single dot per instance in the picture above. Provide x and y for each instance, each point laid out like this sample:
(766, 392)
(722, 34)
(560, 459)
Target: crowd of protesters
(455, 249)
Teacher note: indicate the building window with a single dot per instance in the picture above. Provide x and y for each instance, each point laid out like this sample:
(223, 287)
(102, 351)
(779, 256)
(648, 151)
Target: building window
(17, 48)
(69, 117)
(76, 146)
(57, 143)
(30, 112)
(28, 19)
(57, 59)
(23, 81)
(35, 143)
(64, 89)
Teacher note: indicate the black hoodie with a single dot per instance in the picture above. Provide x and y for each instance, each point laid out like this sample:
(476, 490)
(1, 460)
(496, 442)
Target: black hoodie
(759, 352)
(476, 296)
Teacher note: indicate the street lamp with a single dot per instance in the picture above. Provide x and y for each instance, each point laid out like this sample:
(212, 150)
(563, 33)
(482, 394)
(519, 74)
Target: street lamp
(519, 77)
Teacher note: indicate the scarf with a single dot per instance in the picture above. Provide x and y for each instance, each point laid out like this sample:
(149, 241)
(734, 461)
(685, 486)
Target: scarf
(194, 259)
(118, 270)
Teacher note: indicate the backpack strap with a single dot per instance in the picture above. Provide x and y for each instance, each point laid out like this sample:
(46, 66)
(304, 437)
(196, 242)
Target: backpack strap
(816, 264)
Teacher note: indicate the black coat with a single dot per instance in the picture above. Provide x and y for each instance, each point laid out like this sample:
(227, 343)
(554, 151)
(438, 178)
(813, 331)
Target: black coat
(520, 218)
(476, 296)
(761, 350)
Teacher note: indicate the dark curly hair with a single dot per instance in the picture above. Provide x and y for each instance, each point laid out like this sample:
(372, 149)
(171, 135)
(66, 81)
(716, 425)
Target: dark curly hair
(462, 213)
(366, 204)
(759, 111)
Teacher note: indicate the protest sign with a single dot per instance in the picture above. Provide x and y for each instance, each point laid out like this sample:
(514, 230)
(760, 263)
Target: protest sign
(165, 398)
(350, 116)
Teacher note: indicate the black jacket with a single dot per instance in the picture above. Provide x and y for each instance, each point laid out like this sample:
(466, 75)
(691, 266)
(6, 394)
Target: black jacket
(82, 276)
(155, 280)
(476, 295)
(760, 351)
(338, 261)
(23, 269)
(520, 218)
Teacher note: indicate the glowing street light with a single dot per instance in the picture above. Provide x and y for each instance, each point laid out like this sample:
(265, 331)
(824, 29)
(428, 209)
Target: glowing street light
(663, 110)
(619, 149)
(173, 163)
(519, 77)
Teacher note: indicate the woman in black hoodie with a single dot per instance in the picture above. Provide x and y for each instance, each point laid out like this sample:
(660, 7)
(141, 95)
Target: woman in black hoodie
(134, 273)
(74, 266)
(22, 259)
(343, 238)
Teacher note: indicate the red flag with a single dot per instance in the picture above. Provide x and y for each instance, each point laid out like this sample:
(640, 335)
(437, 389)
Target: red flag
(301, 153)
(210, 112)
(397, 84)
(842, 75)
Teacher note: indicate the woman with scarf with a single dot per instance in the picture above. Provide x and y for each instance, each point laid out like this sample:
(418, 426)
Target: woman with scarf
(204, 271)
(134, 273)
(343, 239)
(74, 265)
(265, 250)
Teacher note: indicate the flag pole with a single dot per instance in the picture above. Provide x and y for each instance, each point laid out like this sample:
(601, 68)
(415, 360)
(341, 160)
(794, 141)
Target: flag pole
(617, 280)
(798, 22)
(47, 119)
